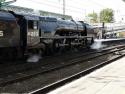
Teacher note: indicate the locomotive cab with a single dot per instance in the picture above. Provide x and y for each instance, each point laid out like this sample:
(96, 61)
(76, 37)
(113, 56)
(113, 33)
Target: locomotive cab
(29, 33)
(32, 30)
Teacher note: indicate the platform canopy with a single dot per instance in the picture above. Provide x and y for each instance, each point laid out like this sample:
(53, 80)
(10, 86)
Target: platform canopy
(31, 11)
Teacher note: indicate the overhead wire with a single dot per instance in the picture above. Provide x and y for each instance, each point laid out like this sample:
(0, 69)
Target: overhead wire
(101, 5)
(38, 2)
(68, 7)
(98, 4)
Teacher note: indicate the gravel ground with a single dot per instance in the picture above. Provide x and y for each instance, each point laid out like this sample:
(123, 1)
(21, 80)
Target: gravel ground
(44, 79)
(23, 65)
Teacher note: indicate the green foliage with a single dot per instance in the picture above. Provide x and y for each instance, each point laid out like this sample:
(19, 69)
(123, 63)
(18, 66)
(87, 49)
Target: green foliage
(1, 1)
(94, 17)
(106, 15)
(5, 3)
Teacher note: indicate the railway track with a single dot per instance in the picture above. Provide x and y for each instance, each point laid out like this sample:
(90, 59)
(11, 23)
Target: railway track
(46, 69)
(62, 82)
(20, 66)
(59, 83)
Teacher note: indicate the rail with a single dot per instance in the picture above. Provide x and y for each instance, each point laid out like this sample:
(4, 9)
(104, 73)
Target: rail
(53, 68)
(59, 83)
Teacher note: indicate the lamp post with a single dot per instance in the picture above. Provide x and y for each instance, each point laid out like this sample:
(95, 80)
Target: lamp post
(64, 5)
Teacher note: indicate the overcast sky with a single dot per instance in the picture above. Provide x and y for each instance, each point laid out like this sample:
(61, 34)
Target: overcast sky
(76, 8)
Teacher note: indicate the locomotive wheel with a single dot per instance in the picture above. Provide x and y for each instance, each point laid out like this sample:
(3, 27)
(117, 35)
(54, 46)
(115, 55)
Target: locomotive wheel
(92, 41)
(48, 49)
(20, 54)
(41, 52)
(56, 46)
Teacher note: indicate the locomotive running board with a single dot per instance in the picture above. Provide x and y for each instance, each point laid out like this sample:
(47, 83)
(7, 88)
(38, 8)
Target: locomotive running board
(64, 37)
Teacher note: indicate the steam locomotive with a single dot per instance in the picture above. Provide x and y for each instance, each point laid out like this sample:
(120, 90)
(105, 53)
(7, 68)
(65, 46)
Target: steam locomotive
(21, 34)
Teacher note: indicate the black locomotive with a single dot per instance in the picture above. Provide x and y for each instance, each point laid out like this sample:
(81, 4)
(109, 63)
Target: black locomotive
(22, 33)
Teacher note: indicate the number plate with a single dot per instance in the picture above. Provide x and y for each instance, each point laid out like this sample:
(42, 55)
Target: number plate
(1, 33)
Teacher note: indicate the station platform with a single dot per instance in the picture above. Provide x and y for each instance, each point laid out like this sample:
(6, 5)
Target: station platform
(109, 79)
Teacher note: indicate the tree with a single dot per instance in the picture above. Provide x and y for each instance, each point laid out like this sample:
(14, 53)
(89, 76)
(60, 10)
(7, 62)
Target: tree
(106, 15)
(94, 17)
(4, 3)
